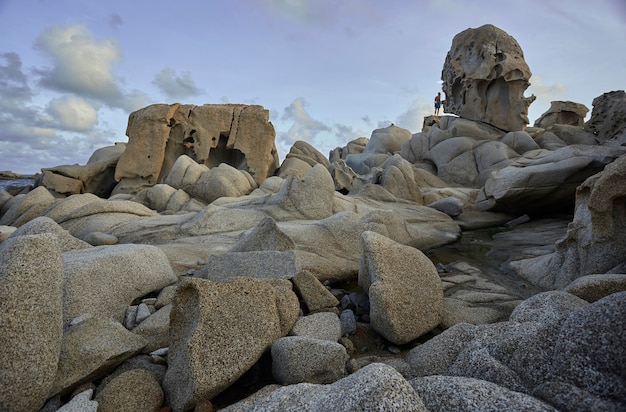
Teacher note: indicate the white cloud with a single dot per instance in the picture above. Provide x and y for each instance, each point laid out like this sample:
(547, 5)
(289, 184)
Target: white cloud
(73, 113)
(82, 64)
(413, 118)
(546, 93)
(176, 87)
(304, 127)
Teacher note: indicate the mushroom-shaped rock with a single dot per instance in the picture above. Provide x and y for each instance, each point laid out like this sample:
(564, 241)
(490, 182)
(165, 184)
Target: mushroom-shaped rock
(485, 76)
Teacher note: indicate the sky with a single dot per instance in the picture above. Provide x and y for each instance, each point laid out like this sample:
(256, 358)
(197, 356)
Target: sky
(329, 71)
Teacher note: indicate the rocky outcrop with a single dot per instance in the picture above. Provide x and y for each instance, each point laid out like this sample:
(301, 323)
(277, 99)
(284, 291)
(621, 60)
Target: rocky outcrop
(563, 112)
(105, 280)
(31, 291)
(541, 351)
(300, 159)
(239, 135)
(382, 144)
(374, 387)
(406, 298)
(484, 78)
(217, 332)
(96, 177)
(594, 243)
(608, 117)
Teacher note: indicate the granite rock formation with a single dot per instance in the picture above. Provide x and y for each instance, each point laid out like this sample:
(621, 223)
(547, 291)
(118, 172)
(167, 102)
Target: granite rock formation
(484, 78)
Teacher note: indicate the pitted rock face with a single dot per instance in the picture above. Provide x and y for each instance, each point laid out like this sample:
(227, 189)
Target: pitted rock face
(484, 78)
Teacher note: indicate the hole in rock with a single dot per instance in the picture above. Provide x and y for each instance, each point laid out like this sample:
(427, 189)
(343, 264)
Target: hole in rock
(221, 154)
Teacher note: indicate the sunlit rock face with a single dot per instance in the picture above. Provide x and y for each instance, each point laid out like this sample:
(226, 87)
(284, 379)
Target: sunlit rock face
(484, 78)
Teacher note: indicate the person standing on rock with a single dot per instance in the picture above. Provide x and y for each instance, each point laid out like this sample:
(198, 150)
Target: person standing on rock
(437, 103)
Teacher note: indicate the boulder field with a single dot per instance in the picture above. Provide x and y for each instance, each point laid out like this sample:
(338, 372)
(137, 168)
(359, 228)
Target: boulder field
(477, 264)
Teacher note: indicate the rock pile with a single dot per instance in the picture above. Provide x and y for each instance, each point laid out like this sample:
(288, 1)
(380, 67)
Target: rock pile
(184, 270)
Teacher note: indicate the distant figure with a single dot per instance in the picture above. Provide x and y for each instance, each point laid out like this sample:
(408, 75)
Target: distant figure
(437, 103)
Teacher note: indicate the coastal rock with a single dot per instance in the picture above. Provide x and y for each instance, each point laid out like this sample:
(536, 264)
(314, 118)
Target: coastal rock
(375, 387)
(31, 319)
(382, 144)
(27, 207)
(406, 297)
(595, 287)
(135, 390)
(454, 393)
(104, 280)
(297, 359)
(543, 179)
(264, 236)
(322, 326)
(44, 224)
(300, 159)
(563, 112)
(91, 349)
(162, 197)
(155, 329)
(96, 177)
(313, 293)
(594, 243)
(207, 184)
(81, 403)
(237, 134)
(217, 332)
(608, 117)
(484, 78)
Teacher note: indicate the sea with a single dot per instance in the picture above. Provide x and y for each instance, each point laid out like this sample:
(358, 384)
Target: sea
(15, 184)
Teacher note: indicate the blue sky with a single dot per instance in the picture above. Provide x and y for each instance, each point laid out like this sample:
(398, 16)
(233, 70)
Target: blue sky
(329, 71)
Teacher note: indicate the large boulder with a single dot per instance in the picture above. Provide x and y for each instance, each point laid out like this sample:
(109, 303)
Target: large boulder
(562, 350)
(608, 117)
(91, 349)
(563, 112)
(96, 177)
(594, 243)
(376, 387)
(31, 313)
(544, 179)
(134, 390)
(297, 359)
(406, 296)
(382, 144)
(459, 394)
(217, 332)
(485, 76)
(237, 134)
(104, 280)
(300, 159)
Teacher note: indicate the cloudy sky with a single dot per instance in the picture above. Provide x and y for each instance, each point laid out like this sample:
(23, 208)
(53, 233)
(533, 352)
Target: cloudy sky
(329, 71)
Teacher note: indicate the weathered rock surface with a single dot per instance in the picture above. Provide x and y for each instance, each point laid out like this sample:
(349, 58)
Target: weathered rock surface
(104, 280)
(594, 243)
(300, 159)
(297, 359)
(91, 349)
(544, 350)
(608, 117)
(382, 144)
(31, 319)
(135, 390)
(313, 293)
(484, 78)
(544, 180)
(239, 135)
(406, 297)
(322, 326)
(374, 387)
(217, 332)
(96, 177)
(80, 403)
(454, 393)
(563, 112)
